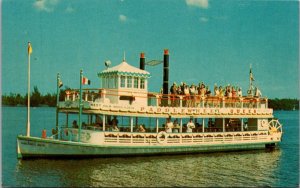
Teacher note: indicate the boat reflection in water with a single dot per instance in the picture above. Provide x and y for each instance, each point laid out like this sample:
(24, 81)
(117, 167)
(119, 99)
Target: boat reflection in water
(247, 168)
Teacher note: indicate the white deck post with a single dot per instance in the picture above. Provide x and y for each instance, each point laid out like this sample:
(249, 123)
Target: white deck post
(86, 96)
(242, 102)
(131, 124)
(103, 122)
(203, 124)
(157, 125)
(181, 124)
(180, 102)
(242, 124)
(223, 124)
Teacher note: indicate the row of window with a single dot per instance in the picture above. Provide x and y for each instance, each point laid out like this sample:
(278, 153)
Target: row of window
(125, 82)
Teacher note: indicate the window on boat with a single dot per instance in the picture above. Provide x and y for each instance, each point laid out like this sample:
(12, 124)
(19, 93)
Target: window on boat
(103, 82)
(123, 81)
(136, 82)
(115, 81)
(142, 83)
(129, 82)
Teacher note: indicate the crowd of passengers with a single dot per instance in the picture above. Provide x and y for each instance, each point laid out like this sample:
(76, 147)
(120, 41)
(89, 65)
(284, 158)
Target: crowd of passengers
(193, 93)
(169, 126)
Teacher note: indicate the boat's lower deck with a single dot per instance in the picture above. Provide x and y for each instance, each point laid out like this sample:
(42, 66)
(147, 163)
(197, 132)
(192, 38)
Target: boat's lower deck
(116, 144)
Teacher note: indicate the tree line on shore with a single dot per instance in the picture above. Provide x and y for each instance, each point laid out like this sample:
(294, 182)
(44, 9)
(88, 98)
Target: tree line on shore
(37, 99)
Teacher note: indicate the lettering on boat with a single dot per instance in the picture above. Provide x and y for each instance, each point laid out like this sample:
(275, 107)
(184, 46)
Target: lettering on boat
(32, 143)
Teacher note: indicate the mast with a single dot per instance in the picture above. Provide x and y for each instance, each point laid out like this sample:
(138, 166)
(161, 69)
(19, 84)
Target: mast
(28, 95)
(57, 101)
(251, 78)
(80, 106)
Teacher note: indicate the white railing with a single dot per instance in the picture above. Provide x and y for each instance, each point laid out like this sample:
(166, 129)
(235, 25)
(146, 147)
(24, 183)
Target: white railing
(185, 138)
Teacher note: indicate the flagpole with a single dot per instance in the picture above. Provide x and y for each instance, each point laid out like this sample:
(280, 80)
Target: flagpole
(80, 106)
(28, 94)
(250, 81)
(57, 101)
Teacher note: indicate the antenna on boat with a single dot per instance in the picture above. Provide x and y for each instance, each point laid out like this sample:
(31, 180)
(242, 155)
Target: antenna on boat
(124, 56)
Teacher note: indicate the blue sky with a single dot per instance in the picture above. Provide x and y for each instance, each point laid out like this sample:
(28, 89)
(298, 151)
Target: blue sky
(209, 41)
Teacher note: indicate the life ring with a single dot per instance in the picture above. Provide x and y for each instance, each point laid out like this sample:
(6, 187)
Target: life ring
(159, 135)
(263, 122)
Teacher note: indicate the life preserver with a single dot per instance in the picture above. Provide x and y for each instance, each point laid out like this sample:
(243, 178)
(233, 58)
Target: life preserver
(158, 136)
(263, 122)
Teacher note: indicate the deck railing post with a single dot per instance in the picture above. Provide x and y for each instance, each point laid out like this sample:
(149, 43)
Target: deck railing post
(157, 125)
(181, 125)
(103, 122)
(131, 124)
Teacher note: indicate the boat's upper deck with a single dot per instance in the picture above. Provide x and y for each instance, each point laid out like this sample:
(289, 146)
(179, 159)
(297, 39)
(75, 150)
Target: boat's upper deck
(98, 101)
(125, 92)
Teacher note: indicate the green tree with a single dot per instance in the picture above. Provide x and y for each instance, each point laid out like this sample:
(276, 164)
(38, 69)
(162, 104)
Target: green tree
(36, 98)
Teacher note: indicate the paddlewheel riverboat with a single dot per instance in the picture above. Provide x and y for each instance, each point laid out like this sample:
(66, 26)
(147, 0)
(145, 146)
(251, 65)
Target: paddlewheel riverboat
(123, 118)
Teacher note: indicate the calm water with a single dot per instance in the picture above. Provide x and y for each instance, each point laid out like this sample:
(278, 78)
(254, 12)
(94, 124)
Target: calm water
(254, 168)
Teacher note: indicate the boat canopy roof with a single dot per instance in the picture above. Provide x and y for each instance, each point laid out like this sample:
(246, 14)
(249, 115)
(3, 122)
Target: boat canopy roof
(124, 69)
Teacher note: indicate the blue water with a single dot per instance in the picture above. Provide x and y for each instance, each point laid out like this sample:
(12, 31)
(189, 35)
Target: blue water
(252, 168)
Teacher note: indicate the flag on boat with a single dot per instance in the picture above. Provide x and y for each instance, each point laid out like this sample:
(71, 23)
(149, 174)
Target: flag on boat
(29, 48)
(60, 83)
(251, 75)
(86, 81)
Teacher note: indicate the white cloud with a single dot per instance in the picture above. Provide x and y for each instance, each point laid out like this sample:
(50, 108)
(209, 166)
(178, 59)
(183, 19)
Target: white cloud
(203, 19)
(45, 5)
(197, 3)
(122, 18)
(69, 9)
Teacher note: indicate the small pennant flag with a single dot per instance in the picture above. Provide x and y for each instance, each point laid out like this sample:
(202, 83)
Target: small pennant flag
(86, 81)
(60, 83)
(251, 75)
(29, 48)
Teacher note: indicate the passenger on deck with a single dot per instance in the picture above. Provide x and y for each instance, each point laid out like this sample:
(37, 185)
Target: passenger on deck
(114, 121)
(173, 91)
(115, 128)
(221, 91)
(187, 95)
(190, 126)
(233, 91)
(208, 92)
(75, 124)
(246, 126)
(169, 125)
(216, 91)
(176, 126)
(99, 121)
(202, 90)
(193, 93)
(182, 86)
(239, 93)
(141, 129)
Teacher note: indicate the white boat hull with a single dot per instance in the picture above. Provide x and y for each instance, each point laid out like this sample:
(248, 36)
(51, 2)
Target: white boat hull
(39, 147)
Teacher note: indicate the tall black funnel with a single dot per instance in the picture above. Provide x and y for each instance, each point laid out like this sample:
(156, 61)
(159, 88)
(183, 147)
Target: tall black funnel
(142, 61)
(166, 72)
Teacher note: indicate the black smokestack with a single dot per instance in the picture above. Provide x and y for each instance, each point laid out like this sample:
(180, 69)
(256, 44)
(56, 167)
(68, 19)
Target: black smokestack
(142, 61)
(166, 72)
